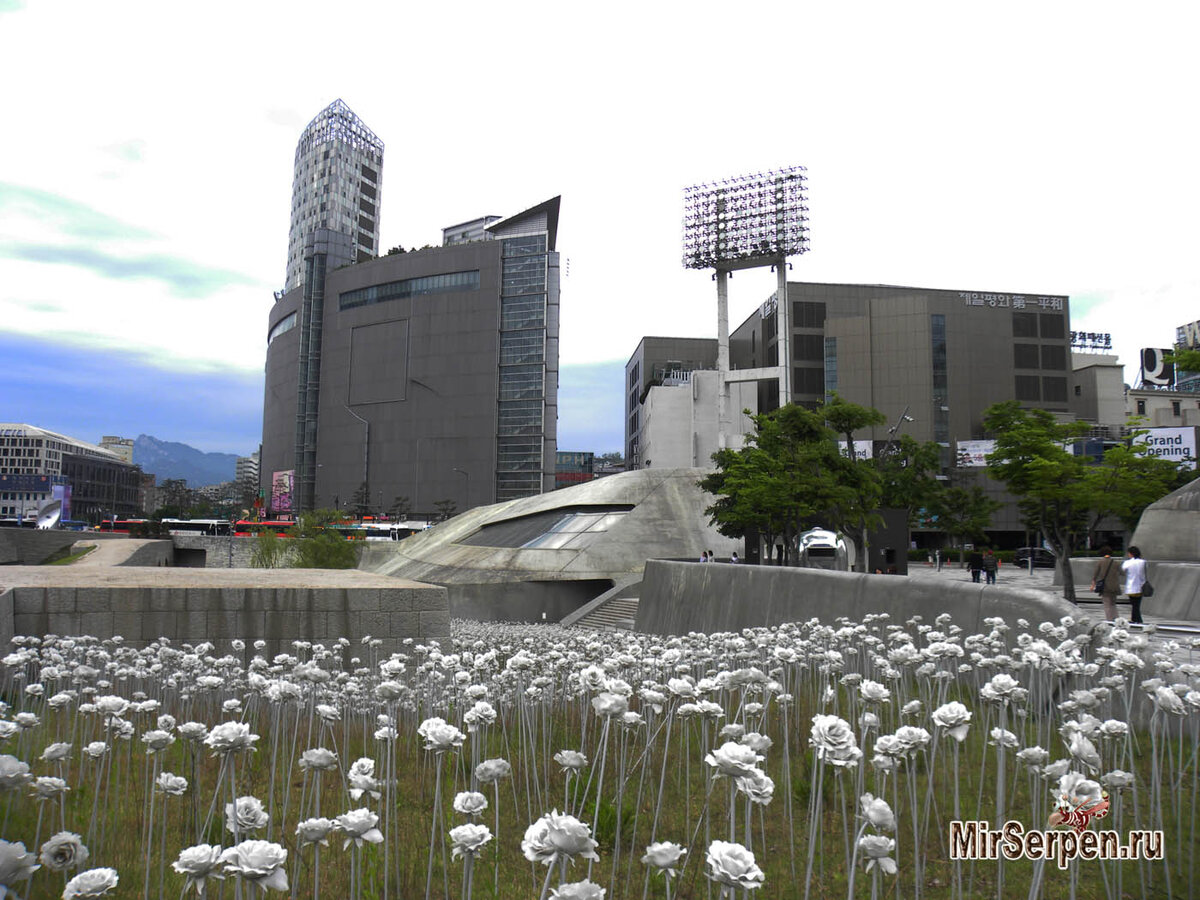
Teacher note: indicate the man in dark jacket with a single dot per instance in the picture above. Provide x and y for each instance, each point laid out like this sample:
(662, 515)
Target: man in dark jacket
(975, 564)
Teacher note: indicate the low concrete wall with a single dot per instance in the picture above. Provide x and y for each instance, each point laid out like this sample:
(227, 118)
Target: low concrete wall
(218, 550)
(278, 606)
(676, 598)
(151, 554)
(30, 547)
(1176, 587)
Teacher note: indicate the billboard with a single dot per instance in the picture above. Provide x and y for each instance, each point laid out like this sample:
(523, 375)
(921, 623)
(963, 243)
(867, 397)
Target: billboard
(282, 483)
(62, 493)
(1156, 371)
(1176, 444)
(862, 449)
(973, 454)
(35, 484)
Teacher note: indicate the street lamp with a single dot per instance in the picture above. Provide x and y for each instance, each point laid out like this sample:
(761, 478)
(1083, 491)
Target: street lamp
(467, 498)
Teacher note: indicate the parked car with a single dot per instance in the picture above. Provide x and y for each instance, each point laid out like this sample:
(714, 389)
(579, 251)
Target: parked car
(1042, 559)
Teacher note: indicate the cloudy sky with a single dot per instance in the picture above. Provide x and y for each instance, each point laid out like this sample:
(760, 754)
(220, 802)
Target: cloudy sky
(146, 164)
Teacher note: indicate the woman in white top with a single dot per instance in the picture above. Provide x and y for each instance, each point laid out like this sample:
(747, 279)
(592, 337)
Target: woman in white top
(1135, 578)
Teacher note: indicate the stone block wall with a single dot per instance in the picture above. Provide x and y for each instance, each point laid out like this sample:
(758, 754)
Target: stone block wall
(278, 615)
(218, 550)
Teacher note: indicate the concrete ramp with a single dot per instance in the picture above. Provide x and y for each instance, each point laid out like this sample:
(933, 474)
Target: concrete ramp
(676, 598)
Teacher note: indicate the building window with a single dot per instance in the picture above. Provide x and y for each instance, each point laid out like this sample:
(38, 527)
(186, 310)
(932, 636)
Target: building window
(808, 315)
(808, 348)
(1078, 391)
(941, 382)
(1053, 327)
(1054, 389)
(1054, 356)
(1028, 388)
(451, 282)
(1175, 411)
(1141, 407)
(1025, 356)
(808, 381)
(1025, 325)
(831, 366)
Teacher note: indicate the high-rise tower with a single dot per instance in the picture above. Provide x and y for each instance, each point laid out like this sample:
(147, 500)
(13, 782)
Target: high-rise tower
(336, 185)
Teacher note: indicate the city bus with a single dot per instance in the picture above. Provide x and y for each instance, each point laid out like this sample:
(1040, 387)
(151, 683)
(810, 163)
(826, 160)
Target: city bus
(209, 527)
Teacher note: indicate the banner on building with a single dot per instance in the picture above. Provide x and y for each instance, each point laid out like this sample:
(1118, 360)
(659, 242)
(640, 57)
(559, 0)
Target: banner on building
(973, 454)
(62, 493)
(1176, 444)
(862, 449)
(282, 483)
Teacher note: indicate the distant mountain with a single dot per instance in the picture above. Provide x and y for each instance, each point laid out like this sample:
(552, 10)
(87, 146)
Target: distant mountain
(168, 459)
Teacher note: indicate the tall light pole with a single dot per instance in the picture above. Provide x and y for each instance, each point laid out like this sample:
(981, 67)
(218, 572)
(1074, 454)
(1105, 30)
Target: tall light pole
(743, 223)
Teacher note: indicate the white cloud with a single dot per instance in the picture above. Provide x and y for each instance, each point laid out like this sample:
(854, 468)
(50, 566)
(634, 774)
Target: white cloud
(1032, 149)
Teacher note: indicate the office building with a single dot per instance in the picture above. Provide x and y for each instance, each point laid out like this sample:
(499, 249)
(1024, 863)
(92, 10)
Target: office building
(336, 186)
(430, 375)
(659, 361)
(942, 357)
(246, 469)
(571, 468)
(123, 447)
(37, 466)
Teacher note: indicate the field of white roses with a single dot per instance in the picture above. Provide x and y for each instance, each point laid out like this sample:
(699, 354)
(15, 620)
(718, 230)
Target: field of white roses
(804, 761)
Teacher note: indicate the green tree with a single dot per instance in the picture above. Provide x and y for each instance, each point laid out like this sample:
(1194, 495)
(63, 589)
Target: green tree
(320, 547)
(360, 503)
(790, 476)
(963, 513)
(856, 509)
(270, 551)
(1126, 481)
(1032, 459)
(908, 471)
(1185, 359)
(445, 509)
(400, 508)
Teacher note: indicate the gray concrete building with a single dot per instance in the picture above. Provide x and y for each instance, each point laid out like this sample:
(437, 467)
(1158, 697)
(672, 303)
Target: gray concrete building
(659, 361)
(931, 360)
(38, 465)
(944, 356)
(431, 375)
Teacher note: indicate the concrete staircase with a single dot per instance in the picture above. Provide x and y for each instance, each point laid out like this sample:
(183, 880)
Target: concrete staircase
(615, 615)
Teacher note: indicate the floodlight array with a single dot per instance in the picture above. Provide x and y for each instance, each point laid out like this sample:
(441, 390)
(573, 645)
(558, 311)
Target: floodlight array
(743, 219)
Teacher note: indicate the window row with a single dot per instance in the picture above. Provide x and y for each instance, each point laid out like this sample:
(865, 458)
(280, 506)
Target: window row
(1040, 356)
(1029, 324)
(524, 246)
(283, 326)
(1041, 388)
(451, 282)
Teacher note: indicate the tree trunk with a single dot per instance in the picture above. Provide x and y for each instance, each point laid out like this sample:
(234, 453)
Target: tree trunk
(1061, 548)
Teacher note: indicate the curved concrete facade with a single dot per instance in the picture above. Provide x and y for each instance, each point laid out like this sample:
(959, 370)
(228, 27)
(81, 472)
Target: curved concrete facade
(676, 598)
(1169, 527)
(664, 518)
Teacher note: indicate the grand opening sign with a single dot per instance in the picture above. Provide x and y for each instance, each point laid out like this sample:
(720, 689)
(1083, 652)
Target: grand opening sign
(1176, 444)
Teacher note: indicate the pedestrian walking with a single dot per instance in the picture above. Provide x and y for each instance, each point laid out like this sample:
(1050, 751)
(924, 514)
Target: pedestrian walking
(990, 565)
(975, 564)
(1135, 581)
(1106, 582)
(733, 558)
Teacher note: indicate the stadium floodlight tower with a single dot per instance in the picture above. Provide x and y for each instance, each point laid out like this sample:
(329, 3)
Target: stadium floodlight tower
(743, 223)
